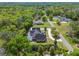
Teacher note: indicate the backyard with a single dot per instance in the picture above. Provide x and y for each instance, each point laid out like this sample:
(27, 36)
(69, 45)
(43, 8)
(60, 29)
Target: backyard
(44, 25)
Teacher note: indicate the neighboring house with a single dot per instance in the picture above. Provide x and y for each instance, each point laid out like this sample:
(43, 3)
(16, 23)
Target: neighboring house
(56, 17)
(37, 35)
(65, 19)
(62, 19)
(37, 22)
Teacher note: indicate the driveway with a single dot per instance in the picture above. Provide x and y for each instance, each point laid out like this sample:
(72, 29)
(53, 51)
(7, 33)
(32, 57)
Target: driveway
(50, 34)
(69, 47)
(65, 42)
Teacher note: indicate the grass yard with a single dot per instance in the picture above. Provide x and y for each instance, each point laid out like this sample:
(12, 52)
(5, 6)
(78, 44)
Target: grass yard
(49, 41)
(60, 45)
(46, 43)
(63, 28)
(46, 24)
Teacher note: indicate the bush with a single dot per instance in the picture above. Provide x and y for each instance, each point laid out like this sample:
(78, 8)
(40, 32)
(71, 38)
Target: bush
(34, 48)
(40, 50)
(52, 51)
(17, 46)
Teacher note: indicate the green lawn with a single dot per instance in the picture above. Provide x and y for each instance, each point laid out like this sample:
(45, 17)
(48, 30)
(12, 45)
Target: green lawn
(63, 28)
(49, 41)
(45, 24)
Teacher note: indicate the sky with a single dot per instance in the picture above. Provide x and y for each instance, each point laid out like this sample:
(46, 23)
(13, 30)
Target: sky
(39, 0)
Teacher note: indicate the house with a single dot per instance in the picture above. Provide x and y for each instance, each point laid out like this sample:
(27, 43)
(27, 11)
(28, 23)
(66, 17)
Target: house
(37, 35)
(37, 22)
(65, 19)
(62, 19)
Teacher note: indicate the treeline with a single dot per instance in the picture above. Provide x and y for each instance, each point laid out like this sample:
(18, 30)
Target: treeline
(39, 4)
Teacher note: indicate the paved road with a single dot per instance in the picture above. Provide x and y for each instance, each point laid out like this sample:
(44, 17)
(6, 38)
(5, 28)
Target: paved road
(69, 47)
(65, 43)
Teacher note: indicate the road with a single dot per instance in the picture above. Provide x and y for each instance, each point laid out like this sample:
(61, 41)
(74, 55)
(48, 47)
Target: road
(65, 43)
(69, 47)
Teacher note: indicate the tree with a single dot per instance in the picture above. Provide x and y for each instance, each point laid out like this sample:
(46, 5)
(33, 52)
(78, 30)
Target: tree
(58, 22)
(49, 12)
(45, 30)
(75, 30)
(44, 18)
(55, 44)
(17, 46)
(55, 35)
(57, 11)
(72, 15)
(52, 51)
(27, 24)
(40, 50)
(41, 12)
(51, 17)
(75, 53)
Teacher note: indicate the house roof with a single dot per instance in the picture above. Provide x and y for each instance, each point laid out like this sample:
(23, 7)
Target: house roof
(40, 37)
(37, 35)
(37, 22)
(62, 18)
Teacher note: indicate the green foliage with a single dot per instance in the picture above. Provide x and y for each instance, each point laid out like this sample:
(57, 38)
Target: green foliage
(57, 11)
(17, 46)
(58, 22)
(72, 15)
(49, 12)
(51, 17)
(55, 33)
(44, 18)
(75, 53)
(40, 50)
(2, 42)
(52, 51)
(75, 30)
(41, 12)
